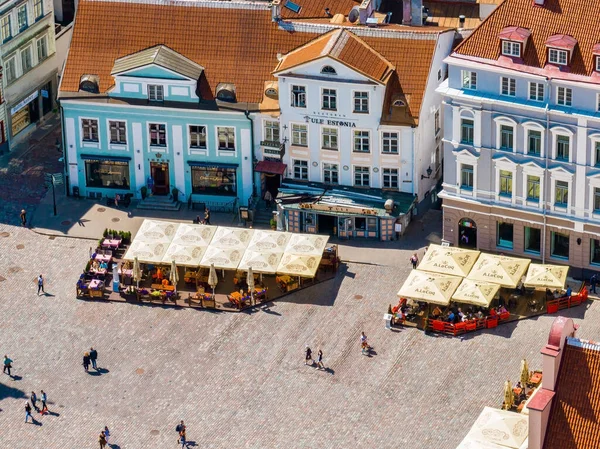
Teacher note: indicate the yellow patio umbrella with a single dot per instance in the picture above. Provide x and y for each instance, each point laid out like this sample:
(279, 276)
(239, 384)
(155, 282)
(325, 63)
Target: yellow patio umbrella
(477, 293)
(137, 273)
(547, 276)
(502, 270)
(449, 260)
(524, 374)
(213, 280)
(509, 395)
(432, 288)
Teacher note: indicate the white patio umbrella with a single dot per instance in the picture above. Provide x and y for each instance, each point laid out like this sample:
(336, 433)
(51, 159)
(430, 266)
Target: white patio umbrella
(174, 275)
(250, 282)
(213, 279)
(137, 273)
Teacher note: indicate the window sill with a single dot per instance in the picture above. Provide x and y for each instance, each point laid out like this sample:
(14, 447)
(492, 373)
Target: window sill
(532, 202)
(505, 247)
(506, 197)
(390, 153)
(298, 106)
(465, 142)
(531, 251)
(328, 110)
(117, 146)
(360, 187)
(360, 112)
(329, 149)
(90, 144)
(361, 152)
(554, 256)
(226, 150)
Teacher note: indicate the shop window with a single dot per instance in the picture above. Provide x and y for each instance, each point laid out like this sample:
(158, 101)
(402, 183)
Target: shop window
(560, 245)
(329, 100)
(466, 177)
(107, 174)
(504, 235)
(298, 96)
(89, 130)
(562, 147)
(361, 141)
(10, 70)
(118, 132)
(155, 92)
(214, 181)
(533, 188)
(360, 224)
(505, 183)
(197, 136)
(509, 86)
(390, 178)
(595, 251)
(158, 135)
(361, 176)
(330, 173)
(42, 48)
(38, 9)
(564, 96)
(534, 142)
(226, 137)
(371, 224)
(466, 131)
(536, 91)
(361, 102)
(5, 25)
(26, 59)
(301, 170)
(596, 200)
(533, 240)
(561, 194)
(299, 135)
(309, 219)
(506, 137)
(390, 143)
(271, 131)
(22, 17)
(329, 138)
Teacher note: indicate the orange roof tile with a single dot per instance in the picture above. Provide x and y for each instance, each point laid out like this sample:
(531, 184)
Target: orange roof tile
(235, 44)
(316, 8)
(573, 421)
(345, 47)
(574, 18)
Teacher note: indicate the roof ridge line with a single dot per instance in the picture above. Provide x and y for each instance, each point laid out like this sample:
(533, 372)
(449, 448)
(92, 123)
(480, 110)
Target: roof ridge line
(583, 344)
(304, 27)
(232, 4)
(332, 41)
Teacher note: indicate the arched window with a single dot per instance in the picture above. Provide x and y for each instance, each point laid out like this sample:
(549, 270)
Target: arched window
(328, 70)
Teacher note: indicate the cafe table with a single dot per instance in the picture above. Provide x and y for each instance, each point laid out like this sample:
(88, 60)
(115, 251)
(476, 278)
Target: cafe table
(96, 288)
(103, 258)
(111, 244)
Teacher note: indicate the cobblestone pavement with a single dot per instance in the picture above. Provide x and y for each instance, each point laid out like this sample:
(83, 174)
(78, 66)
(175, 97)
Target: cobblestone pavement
(238, 380)
(22, 172)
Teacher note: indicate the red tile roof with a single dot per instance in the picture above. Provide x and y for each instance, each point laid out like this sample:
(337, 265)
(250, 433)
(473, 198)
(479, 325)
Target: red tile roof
(576, 18)
(316, 8)
(574, 417)
(235, 43)
(345, 47)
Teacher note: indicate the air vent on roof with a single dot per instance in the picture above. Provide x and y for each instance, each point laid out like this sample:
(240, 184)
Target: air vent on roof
(353, 15)
(89, 83)
(226, 92)
(292, 6)
(271, 92)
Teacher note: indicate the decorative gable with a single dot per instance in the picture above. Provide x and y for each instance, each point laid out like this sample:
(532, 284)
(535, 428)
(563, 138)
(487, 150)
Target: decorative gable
(560, 49)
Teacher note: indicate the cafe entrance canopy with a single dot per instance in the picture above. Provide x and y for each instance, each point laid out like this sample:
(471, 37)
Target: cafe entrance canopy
(449, 260)
(430, 287)
(502, 270)
(547, 276)
(476, 293)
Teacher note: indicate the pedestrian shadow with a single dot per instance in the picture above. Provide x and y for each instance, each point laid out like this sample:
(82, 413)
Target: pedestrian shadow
(50, 295)
(114, 446)
(329, 370)
(36, 422)
(16, 377)
(103, 371)
(52, 413)
(190, 444)
(10, 392)
(270, 312)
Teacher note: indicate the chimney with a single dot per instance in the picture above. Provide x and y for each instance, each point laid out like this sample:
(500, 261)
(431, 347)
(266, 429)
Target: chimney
(406, 12)
(416, 13)
(275, 10)
(365, 11)
(461, 21)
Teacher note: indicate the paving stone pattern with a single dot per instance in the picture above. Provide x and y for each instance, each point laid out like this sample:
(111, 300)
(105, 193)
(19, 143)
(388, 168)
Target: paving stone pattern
(238, 380)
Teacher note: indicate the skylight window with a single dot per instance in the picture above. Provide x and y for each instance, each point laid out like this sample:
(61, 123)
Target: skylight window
(292, 6)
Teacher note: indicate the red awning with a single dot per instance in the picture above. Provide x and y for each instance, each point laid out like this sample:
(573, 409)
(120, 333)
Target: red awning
(272, 167)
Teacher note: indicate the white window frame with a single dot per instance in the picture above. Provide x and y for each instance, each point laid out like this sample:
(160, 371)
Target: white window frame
(330, 147)
(197, 150)
(390, 139)
(292, 98)
(511, 85)
(559, 174)
(153, 147)
(505, 121)
(561, 131)
(354, 167)
(593, 183)
(327, 166)
(294, 169)
(44, 40)
(531, 169)
(330, 95)
(566, 93)
(534, 126)
(469, 114)
(594, 139)
(598, 96)
(20, 28)
(6, 71)
(504, 164)
(226, 152)
(511, 48)
(471, 82)
(361, 101)
(301, 145)
(159, 91)
(539, 88)
(113, 145)
(466, 158)
(556, 55)
(37, 3)
(2, 29)
(354, 137)
(27, 49)
(269, 129)
(89, 143)
(383, 174)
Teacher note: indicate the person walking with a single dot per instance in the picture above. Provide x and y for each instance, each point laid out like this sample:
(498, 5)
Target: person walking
(180, 428)
(182, 437)
(320, 360)
(28, 412)
(93, 358)
(268, 199)
(102, 440)
(40, 282)
(308, 356)
(7, 365)
(117, 198)
(207, 216)
(44, 398)
(23, 216)
(414, 260)
(106, 434)
(593, 282)
(86, 361)
(34, 399)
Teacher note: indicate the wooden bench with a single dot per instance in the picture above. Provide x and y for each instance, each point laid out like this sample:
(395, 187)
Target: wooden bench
(167, 288)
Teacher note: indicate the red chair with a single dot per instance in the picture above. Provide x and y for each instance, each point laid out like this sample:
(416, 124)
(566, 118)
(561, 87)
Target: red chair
(552, 308)
(460, 328)
(471, 325)
(504, 316)
(491, 323)
(438, 326)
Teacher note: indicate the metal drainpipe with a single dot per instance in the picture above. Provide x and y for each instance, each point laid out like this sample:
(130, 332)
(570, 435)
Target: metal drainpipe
(547, 150)
(247, 114)
(64, 149)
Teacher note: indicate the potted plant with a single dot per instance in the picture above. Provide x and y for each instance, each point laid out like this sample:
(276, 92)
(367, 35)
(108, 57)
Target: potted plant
(273, 224)
(144, 192)
(175, 193)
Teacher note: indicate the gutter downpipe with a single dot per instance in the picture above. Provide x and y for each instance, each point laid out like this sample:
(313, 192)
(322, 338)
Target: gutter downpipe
(247, 114)
(64, 148)
(547, 150)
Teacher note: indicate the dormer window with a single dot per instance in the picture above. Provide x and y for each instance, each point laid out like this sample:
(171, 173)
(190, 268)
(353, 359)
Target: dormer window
(556, 56)
(155, 92)
(596, 53)
(510, 48)
(328, 70)
(597, 63)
